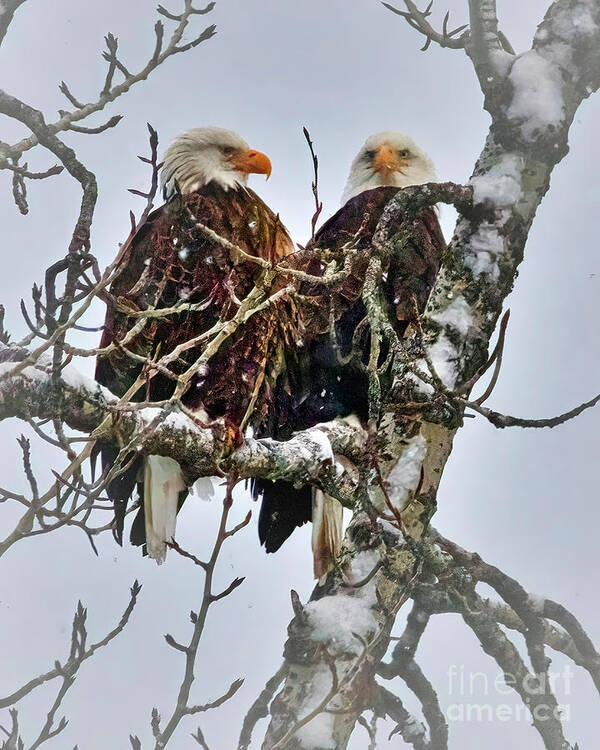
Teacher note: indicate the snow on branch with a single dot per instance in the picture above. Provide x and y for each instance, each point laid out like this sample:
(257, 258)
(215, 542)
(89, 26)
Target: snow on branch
(86, 406)
(511, 175)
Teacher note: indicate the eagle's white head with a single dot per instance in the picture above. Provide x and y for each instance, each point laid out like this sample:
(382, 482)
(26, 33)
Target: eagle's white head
(390, 159)
(204, 155)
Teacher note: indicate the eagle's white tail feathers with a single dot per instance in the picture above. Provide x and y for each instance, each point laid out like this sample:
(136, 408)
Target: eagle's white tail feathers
(163, 481)
(327, 517)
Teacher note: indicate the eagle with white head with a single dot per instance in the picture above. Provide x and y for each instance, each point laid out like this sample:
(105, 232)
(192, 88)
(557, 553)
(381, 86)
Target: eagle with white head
(202, 156)
(391, 160)
(338, 386)
(172, 263)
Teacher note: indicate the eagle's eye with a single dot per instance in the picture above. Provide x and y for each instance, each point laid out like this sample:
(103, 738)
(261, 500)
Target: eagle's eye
(370, 154)
(227, 150)
(404, 153)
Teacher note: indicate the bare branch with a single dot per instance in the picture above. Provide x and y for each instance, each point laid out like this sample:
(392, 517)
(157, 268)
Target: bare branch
(504, 420)
(174, 546)
(100, 129)
(67, 92)
(23, 171)
(182, 707)
(418, 20)
(83, 111)
(171, 16)
(199, 737)
(79, 653)
(231, 691)
(496, 356)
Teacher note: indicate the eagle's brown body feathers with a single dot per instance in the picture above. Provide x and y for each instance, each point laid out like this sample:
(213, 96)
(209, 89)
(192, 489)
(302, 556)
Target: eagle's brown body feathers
(172, 261)
(332, 389)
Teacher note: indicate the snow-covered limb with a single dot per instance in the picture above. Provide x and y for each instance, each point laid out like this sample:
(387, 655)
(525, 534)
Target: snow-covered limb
(260, 707)
(403, 665)
(535, 97)
(451, 575)
(309, 457)
(344, 630)
(385, 703)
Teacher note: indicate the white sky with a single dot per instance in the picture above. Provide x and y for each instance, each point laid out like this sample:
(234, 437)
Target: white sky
(527, 501)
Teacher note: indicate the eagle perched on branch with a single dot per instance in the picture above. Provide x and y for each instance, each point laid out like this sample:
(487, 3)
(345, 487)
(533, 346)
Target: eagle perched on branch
(335, 375)
(177, 287)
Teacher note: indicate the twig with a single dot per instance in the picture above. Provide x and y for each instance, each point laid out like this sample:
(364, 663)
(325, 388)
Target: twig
(79, 653)
(371, 729)
(23, 171)
(199, 737)
(171, 16)
(231, 691)
(418, 20)
(198, 619)
(26, 449)
(314, 184)
(159, 56)
(174, 546)
(99, 129)
(504, 420)
(494, 357)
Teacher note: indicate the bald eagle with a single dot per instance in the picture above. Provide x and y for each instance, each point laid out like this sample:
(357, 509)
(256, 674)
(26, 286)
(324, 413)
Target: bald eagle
(174, 263)
(385, 163)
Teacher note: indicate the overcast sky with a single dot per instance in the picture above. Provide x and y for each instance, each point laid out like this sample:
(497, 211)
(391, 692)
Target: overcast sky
(526, 500)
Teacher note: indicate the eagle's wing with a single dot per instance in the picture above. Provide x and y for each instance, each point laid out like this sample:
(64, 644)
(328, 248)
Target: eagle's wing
(171, 261)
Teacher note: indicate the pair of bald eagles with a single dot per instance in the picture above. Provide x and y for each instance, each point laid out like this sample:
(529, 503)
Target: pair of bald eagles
(278, 372)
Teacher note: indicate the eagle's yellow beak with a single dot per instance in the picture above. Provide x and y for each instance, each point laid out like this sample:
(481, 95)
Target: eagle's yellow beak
(387, 160)
(252, 162)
